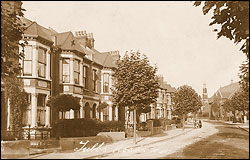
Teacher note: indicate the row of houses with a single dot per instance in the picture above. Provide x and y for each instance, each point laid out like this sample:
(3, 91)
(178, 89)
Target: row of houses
(66, 63)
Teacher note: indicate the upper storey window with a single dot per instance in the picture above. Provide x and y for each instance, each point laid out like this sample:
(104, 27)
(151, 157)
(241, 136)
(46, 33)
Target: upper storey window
(85, 77)
(94, 80)
(66, 72)
(76, 71)
(106, 83)
(41, 62)
(27, 61)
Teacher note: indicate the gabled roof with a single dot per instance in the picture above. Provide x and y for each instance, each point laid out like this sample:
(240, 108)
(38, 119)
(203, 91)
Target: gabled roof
(67, 41)
(25, 22)
(105, 59)
(35, 29)
(228, 90)
(169, 88)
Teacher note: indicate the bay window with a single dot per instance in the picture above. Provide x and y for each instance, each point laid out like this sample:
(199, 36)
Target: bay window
(27, 61)
(41, 62)
(106, 83)
(85, 77)
(66, 71)
(27, 111)
(76, 71)
(94, 80)
(41, 109)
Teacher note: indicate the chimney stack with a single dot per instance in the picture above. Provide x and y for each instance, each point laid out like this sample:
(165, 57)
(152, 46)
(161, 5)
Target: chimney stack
(90, 40)
(115, 54)
(81, 37)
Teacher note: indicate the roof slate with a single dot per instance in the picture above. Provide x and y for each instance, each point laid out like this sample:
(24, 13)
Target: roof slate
(37, 30)
(105, 59)
(226, 91)
(67, 41)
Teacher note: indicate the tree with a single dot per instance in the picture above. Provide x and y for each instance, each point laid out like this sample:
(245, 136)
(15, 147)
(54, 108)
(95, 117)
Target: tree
(11, 33)
(215, 106)
(64, 102)
(186, 100)
(237, 102)
(18, 102)
(136, 85)
(233, 18)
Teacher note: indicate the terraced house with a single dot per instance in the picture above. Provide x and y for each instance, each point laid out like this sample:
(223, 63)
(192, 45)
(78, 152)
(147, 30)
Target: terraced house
(163, 106)
(64, 63)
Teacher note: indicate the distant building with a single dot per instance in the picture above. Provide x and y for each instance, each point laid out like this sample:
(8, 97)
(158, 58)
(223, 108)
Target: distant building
(163, 107)
(223, 94)
(205, 109)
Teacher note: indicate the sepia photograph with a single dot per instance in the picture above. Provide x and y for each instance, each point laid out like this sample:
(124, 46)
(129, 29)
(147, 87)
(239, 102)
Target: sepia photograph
(124, 79)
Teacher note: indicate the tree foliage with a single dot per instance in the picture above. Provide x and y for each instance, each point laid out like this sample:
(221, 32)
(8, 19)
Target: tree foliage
(11, 33)
(186, 100)
(237, 102)
(215, 106)
(136, 83)
(233, 19)
(18, 101)
(64, 102)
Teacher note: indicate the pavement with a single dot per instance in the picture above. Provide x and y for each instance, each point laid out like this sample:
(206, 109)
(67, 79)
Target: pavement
(105, 149)
(243, 126)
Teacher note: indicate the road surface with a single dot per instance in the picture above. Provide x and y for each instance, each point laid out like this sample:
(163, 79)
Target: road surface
(213, 140)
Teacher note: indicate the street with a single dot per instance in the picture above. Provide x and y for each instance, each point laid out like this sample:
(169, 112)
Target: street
(213, 140)
(229, 143)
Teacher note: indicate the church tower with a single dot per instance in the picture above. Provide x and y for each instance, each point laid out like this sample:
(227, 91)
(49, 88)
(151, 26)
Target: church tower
(204, 95)
(205, 106)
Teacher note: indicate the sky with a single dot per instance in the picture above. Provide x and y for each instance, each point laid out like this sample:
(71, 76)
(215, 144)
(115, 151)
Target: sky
(174, 35)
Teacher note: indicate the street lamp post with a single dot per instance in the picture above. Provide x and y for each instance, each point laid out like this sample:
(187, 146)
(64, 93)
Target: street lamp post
(134, 126)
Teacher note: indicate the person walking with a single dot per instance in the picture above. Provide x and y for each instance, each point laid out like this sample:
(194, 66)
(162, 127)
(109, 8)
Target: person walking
(195, 123)
(200, 124)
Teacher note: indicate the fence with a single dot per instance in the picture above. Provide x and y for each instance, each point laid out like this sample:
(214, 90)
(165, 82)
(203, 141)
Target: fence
(25, 134)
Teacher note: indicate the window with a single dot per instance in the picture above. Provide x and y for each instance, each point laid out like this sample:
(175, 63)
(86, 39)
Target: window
(94, 80)
(105, 114)
(66, 72)
(27, 61)
(76, 71)
(85, 77)
(27, 112)
(106, 83)
(41, 62)
(41, 109)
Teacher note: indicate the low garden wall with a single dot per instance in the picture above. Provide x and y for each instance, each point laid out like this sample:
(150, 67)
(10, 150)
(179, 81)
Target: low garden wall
(157, 130)
(114, 136)
(102, 137)
(144, 133)
(15, 148)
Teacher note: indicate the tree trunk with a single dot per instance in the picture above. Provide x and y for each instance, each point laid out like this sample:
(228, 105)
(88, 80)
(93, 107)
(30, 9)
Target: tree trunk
(128, 117)
(183, 121)
(134, 126)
